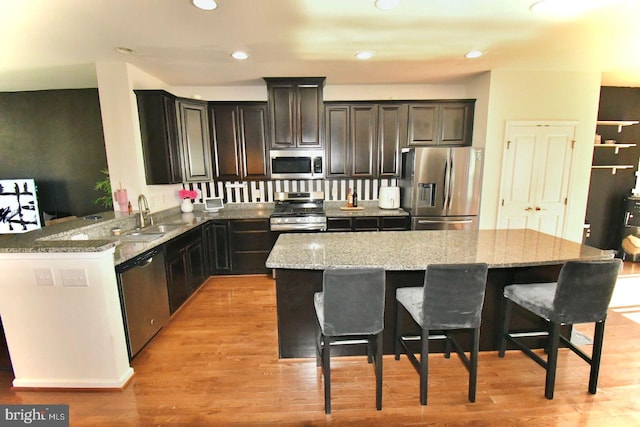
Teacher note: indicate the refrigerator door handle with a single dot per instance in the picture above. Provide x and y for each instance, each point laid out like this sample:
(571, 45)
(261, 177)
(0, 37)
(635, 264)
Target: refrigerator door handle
(446, 179)
(445, 221)
(451, 180)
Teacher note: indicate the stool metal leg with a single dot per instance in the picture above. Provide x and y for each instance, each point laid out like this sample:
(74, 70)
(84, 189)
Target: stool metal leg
(378, 368)
(552, 360)
(424, 365)
(473, 365)
(397, 336)
(326, 368)
(596, 355)
(506, 318)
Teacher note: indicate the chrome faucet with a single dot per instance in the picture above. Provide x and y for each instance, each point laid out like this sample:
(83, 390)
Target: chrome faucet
(143, 212)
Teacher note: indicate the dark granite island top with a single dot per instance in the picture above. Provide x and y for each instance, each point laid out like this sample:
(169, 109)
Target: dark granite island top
(514, 256)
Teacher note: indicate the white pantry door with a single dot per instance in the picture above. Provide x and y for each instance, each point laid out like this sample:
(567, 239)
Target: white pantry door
(536, 168)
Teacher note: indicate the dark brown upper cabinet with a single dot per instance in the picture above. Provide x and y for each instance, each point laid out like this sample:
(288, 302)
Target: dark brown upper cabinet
(363, 140)
(440, 123)
(239, 140)
(295, 111)
(159, 132)
(194, 140)
(392, 134)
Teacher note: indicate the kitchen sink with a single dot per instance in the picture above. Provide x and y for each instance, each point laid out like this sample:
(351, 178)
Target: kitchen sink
(150, 233)
(140, 236)
(161, 228)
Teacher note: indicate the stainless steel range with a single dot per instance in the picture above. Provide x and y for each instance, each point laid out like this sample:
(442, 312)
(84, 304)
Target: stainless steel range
(299, 211)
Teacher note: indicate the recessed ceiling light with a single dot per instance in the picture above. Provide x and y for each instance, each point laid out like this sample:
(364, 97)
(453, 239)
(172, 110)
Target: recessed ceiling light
(559, 8)
(365, 54)
(473, 54)
(239, 55)
(386, 4)
(125, 50)
(205, 4)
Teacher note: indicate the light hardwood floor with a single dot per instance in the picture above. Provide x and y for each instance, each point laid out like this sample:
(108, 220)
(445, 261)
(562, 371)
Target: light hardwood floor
(216, 363)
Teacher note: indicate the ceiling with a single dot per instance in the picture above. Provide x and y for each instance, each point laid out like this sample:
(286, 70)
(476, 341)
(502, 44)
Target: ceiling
(53, 44)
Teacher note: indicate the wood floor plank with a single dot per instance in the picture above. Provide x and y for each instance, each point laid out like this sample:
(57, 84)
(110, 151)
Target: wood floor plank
(215, 363)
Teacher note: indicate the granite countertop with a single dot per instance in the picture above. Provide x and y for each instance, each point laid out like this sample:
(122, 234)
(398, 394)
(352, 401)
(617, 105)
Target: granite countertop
(414, 250)
(94, 235)
(370, 208)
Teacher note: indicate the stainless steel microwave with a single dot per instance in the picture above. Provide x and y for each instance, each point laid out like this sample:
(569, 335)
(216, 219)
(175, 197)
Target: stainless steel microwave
(297, 164)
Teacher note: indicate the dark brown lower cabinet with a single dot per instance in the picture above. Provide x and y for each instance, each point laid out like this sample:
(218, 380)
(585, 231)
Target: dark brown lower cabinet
(250, 242)
(216, 242)
(368, 223)
(185, 266)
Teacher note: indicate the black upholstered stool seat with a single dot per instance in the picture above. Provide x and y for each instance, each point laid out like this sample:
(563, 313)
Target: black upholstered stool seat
(451, 299)
(350, 305)
(581, 295)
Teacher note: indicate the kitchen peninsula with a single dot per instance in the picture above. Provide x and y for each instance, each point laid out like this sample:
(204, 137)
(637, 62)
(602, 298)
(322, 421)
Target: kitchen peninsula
(513, 256)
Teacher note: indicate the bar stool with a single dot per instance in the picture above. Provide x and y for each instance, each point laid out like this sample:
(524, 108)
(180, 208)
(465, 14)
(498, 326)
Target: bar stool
(581, 295)
(351, 305)
(451, 299)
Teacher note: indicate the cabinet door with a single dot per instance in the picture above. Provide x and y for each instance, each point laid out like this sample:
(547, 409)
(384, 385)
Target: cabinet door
(177, 280)
(395, 223)
(282, 115)
(338, 224)
(295, 112)
(226, 143)
(423, 124)
(457, 123)
(363, 151)
(159, 134)
(364, 223)
(392, 132)
(337, 140)
(216, 240)
(253, 136)
(309, 115)
(195, 259)
(194, 137)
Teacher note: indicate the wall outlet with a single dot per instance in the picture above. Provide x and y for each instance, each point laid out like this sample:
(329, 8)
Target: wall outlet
(44, 277)
(74, 277)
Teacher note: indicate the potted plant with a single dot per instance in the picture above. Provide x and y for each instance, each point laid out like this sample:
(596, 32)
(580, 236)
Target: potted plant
(103, 186)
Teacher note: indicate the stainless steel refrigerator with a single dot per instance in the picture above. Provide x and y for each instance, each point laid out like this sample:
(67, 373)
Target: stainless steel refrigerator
(440, 187)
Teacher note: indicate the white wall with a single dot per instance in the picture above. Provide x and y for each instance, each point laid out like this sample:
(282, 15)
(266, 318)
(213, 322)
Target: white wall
(119, 109)
(545, 96)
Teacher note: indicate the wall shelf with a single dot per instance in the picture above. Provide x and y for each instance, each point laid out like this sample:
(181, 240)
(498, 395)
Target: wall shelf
(619, 123)
(614, 168)
(616, 146)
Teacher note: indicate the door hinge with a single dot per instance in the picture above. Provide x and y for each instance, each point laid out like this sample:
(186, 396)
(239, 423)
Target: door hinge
(573, 144)
(502, 202)
(508, 144)
(566, 200)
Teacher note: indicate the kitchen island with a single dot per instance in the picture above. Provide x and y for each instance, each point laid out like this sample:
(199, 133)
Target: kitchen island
(513, 256)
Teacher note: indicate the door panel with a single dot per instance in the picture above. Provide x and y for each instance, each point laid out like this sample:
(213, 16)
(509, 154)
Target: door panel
(537, 163)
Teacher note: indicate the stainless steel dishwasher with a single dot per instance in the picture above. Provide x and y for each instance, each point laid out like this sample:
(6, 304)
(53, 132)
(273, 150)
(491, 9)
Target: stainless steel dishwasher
(144, 298)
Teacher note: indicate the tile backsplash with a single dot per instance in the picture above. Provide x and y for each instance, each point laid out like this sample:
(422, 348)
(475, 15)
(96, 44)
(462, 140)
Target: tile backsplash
(262, 191)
